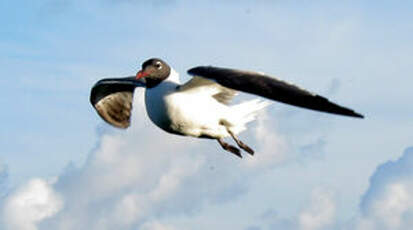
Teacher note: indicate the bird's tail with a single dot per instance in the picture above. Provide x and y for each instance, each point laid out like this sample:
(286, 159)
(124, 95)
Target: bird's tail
(244, 113)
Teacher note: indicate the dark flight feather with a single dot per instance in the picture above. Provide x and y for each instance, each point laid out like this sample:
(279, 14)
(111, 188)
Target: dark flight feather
(112, 99)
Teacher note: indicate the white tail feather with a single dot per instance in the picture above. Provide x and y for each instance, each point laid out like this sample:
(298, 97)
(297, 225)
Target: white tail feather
(244, 113)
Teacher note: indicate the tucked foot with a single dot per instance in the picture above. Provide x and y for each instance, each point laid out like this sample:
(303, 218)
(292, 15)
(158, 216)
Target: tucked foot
(241, 144)
(246, 148)
(230, 148)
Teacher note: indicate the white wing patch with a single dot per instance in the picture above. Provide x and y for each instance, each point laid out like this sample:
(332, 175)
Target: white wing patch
(202, 85)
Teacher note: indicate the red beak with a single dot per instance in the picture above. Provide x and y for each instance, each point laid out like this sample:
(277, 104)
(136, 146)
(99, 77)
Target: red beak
(141, 74)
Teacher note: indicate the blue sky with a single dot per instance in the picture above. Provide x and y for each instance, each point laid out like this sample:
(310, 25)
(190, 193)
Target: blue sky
(311, 170)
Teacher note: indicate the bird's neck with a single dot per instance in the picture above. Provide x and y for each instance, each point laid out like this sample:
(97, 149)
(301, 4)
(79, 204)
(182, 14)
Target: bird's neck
(173, 76)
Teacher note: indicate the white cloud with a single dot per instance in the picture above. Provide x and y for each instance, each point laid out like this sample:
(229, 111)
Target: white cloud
(153, 225)
(395, 201)
(30, 204)
(318, 213)
(388, 203)
(321, 211)
(135, 178)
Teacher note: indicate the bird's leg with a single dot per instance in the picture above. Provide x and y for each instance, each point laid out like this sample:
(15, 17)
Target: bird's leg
(240, 143)
(229, 148)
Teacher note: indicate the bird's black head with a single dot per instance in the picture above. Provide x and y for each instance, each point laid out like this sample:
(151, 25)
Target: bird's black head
(154, 71)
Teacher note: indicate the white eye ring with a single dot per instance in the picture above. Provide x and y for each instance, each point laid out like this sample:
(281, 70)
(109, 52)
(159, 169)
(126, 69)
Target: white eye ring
(158, 65)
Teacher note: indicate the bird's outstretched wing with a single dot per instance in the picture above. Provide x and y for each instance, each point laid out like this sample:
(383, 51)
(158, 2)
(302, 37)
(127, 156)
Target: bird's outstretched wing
(112, 99)
(271, 88)
(203, 85)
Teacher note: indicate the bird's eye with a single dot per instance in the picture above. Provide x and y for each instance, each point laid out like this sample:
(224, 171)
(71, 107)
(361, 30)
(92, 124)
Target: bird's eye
(158, 65)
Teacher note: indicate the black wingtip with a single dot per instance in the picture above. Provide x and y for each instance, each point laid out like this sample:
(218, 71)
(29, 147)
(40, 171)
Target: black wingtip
(348, 113)
(358, 115)
(353, 115)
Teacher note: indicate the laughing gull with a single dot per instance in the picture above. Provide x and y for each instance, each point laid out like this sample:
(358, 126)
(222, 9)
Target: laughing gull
(200, 107)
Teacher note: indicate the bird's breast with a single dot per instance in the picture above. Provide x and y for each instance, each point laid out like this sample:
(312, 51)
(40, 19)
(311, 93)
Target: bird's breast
(159, 106)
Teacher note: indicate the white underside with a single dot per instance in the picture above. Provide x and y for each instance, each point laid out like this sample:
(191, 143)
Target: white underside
(195, 112)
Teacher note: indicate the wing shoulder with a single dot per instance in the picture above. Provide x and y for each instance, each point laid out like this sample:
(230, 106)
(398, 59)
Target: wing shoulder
(202, 85)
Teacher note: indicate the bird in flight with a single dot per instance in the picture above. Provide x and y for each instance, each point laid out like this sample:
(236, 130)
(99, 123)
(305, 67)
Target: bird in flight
(201, 107)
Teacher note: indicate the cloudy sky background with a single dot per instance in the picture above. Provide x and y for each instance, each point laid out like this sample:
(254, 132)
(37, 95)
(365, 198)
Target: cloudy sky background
(61, 167)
